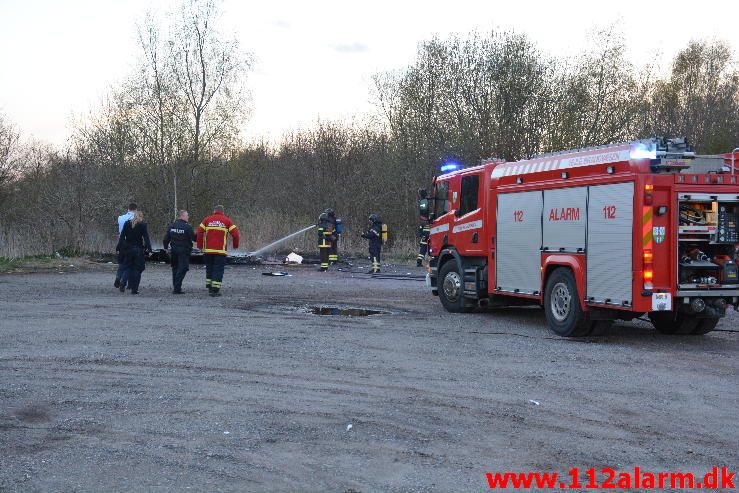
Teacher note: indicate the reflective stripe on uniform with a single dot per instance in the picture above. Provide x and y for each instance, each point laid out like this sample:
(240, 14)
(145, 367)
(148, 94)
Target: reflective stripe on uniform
(211, 250)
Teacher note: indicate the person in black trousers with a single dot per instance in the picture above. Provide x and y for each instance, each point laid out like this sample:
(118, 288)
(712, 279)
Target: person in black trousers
(134, 243)
(374, 235)
(181, 236)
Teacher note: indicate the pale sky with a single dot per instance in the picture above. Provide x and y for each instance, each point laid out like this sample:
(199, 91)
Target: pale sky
(315, 59)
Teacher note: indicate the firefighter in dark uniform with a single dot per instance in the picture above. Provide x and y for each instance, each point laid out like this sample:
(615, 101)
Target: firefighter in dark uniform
(181, 236)
(424, 229)
(333, 251)
(374, 235)
(325, 233)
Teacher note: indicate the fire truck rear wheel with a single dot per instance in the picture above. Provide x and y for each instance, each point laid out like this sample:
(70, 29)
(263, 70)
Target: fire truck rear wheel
(451, 289)
(705, 326)
(562, 305)
(674, 323)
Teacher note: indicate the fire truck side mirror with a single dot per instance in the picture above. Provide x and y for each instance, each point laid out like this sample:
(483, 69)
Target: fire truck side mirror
(423, 207)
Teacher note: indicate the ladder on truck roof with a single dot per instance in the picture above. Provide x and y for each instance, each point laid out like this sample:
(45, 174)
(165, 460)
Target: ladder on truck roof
(673, 155)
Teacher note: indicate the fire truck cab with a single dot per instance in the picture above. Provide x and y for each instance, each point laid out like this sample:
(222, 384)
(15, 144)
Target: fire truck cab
(592, 235)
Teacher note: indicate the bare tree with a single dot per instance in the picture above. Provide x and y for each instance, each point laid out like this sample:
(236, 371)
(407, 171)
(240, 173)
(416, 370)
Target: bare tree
(701, 97)
(9, 150)
(210, 72)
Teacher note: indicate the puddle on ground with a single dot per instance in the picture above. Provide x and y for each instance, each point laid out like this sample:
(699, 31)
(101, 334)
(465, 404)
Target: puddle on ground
(346, 312)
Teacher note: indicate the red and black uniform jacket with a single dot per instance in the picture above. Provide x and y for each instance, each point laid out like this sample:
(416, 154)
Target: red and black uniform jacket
(212, 234)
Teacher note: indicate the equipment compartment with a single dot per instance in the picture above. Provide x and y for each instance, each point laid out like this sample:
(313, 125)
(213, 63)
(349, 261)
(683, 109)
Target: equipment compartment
(708, 244)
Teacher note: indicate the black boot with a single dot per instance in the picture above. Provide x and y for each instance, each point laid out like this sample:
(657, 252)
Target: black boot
(117, 282)
(215, 292)
(419, 263)
(122, 287)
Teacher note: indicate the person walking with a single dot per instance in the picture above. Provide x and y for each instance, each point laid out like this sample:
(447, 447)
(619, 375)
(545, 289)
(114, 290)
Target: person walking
(212, 239)
(180, 236)
(135, 244)
(121, 275)
(375, 237)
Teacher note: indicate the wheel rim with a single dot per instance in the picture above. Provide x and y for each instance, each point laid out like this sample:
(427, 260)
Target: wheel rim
(452, 286)
(561, 301)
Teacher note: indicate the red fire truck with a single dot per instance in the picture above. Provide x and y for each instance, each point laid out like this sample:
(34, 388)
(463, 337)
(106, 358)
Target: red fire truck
(592, 235)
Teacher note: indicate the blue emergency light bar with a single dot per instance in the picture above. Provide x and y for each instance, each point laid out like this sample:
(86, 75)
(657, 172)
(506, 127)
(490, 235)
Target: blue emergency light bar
(450, 166)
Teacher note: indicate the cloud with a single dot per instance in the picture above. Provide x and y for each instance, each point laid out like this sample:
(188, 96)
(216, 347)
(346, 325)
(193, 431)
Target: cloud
(355, 47)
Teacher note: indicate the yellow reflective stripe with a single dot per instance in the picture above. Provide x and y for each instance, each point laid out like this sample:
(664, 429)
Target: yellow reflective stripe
(202, 225)
(211, 250)
(647, 226)
(216, 228)
(233, 226)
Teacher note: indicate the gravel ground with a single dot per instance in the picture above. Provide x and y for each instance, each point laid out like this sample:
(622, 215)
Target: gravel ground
(101, 391)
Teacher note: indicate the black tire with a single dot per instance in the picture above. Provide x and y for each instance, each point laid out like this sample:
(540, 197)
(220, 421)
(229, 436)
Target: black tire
(705, 325)
(562, 305)
(451, 289)
(674, 323)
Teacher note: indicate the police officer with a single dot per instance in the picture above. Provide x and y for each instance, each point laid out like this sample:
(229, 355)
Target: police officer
(333, 251)
(181, 236)
(374, 235)
(325, 234)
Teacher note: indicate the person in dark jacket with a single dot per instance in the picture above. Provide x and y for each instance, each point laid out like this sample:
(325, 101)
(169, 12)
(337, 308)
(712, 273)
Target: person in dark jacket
(180, 236)
(134, 243)
(374, 235)
(338, 225)
(325, 234)
(121, 274)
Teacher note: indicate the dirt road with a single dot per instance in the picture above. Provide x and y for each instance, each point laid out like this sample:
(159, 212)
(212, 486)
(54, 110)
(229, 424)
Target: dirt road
(101, 391)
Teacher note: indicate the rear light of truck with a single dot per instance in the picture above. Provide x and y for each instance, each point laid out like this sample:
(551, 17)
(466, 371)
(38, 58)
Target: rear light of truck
(648, 189)
(648, 269)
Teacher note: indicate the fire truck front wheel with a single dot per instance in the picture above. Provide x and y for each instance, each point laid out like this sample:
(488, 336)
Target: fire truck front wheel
(451, 289)
(562, 304)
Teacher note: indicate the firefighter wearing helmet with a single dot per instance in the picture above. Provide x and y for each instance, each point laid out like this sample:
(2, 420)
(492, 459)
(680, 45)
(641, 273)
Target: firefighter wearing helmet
(333, 251)
(325, 235)
(424, 228)
(376, 235)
